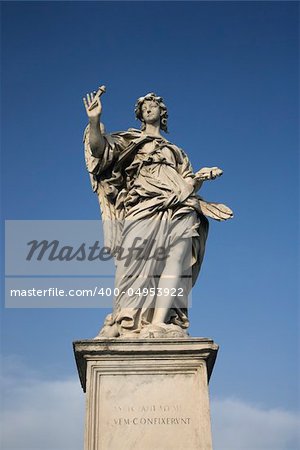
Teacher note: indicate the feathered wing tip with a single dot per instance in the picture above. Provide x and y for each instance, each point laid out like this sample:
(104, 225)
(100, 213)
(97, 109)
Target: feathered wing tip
(216, 211)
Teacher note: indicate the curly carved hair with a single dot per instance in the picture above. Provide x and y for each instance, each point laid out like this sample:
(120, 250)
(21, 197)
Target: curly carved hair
(162, 107)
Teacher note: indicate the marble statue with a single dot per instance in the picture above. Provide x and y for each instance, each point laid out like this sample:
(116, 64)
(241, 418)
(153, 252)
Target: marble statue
(154, 222)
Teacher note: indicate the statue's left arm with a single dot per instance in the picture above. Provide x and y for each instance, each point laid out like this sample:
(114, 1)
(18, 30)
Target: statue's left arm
(196, 179)
(216, 211)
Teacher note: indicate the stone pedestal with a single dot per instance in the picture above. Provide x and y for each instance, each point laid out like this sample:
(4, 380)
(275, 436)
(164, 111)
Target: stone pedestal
(149, 394)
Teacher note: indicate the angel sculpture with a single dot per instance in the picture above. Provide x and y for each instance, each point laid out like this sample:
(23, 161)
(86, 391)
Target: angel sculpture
(148, 195)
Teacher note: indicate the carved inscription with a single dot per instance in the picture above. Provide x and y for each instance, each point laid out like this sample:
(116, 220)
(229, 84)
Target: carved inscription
(158, 415)
(148, 408)
(152, 421)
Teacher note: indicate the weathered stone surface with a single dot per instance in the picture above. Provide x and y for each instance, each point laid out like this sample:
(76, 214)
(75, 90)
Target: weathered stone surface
(146, 394)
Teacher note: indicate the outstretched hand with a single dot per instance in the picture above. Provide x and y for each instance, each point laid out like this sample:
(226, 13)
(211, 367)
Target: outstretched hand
(208, 173)
(93, 104)
(204, 174)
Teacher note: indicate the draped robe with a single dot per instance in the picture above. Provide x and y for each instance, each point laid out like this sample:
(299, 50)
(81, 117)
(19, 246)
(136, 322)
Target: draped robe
(146, 192)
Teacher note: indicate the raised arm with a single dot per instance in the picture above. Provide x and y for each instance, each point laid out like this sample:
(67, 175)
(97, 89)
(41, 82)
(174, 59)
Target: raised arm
(93, 109)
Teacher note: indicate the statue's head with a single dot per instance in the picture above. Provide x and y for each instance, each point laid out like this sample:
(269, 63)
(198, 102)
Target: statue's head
(151, 97)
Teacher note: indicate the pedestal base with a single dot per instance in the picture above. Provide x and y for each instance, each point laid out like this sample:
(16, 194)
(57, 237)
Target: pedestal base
(149, 394)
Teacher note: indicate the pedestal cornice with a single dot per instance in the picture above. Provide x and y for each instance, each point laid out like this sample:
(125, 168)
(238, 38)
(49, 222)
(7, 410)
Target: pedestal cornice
(116, 351)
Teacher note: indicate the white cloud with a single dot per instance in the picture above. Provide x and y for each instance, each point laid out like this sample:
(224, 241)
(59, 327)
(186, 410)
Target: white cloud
(49, 415)
(41, 415)
(239, 426)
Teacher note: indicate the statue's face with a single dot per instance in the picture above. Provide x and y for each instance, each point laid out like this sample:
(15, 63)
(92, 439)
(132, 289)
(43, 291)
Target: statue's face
(151, 112)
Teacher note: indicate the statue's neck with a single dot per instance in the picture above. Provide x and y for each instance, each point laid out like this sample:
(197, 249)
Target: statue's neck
(153, 130)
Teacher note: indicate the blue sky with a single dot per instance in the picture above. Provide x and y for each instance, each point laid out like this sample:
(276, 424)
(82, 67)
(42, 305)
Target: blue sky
(228, 72)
